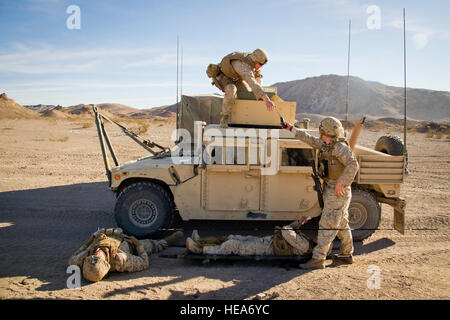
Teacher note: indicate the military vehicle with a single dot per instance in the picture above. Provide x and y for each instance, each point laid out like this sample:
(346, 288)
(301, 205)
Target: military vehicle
(252, 170)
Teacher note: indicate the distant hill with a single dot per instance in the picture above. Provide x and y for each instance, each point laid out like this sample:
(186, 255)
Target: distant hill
(326, 95)
(85, 111)
(40, 107)
(56, 112)
(315, 96)
(11, 109)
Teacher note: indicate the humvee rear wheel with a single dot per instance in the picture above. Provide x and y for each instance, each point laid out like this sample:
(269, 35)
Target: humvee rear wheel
(364, 214)
(143, 209)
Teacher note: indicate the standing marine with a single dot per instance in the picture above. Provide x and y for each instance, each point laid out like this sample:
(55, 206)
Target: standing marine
(110, 250)
(239, 71)
(337, 167)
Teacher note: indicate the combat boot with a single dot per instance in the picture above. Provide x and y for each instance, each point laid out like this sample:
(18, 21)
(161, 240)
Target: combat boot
(339, 259)
(313, 264)
(195, 236)
(224, 121)
(174, 237)
(192, 246)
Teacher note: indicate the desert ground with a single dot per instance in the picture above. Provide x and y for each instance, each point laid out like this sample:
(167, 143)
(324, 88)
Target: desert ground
(54, 194)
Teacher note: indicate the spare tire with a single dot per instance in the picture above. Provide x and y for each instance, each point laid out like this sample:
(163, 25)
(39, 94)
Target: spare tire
(391, 145)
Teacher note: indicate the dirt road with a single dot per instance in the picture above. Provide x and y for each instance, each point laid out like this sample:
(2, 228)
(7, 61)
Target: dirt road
(53, 195)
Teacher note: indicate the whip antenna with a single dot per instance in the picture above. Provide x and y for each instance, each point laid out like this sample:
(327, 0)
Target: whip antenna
(404, 78)
(348, 75)
(181, 79)
(178, 45)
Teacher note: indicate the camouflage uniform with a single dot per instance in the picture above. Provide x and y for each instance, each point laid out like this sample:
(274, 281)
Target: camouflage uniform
(124, 260)
(249, 79)
(334, 218)
(298, 244)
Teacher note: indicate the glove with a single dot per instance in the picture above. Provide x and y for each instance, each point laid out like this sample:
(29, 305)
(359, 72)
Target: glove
(285, 125)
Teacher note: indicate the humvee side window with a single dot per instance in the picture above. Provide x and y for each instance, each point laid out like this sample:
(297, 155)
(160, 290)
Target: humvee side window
(215, 156)
(296, 157)
(234, 155)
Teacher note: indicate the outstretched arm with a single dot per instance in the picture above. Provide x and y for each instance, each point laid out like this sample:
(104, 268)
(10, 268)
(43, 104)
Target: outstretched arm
(302, 135)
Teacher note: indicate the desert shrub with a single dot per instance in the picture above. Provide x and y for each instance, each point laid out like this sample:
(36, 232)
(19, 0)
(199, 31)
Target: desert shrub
(61, 139)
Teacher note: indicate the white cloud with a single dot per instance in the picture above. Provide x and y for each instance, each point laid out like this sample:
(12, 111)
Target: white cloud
(420, 35)
(71, 86)
(50, 60)
(420, 40)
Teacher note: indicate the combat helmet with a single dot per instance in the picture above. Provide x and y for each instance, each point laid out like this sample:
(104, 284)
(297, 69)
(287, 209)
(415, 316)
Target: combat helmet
(332, 126)
(95, 268)
(260, 56)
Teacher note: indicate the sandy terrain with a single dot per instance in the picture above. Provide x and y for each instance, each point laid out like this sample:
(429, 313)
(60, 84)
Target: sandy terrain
(53, 194)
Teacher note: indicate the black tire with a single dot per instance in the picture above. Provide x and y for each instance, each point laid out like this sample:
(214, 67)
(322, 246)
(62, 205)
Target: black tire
(364, 214)
(392, 145)
(143, 209)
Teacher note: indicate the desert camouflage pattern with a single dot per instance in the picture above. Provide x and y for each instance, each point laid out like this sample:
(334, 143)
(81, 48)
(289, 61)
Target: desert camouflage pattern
(334, 222)
(250, 80)
(334, 219)
(125, 259)
(339, 150)
(251, 245)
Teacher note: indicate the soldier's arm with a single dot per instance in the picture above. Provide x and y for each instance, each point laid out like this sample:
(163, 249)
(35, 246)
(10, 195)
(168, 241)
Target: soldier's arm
(79, 255)
(307, 138)
(153, 246)
(136, 263)
(246, 74)
(258, 76)
(347, 158)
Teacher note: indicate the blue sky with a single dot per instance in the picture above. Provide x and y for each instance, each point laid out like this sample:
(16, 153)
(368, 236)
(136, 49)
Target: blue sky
(125, 51)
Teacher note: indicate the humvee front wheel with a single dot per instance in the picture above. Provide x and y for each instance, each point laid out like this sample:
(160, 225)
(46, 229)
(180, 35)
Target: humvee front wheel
(364, 214)
(143, 209)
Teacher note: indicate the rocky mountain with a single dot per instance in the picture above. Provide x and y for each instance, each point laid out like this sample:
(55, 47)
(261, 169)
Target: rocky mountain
(326, 95)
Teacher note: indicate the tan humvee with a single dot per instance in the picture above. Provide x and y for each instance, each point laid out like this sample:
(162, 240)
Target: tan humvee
(245, 172)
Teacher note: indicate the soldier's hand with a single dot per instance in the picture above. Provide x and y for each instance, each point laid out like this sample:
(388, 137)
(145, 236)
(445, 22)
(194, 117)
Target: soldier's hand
(286, 125)
(133, 240)
(362, 120)
(339, 189)
(269, 103)
(303, 220)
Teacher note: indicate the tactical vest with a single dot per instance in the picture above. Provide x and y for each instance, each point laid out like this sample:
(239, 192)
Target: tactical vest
(109, 241)
(227, 68)
(330, 168)
(280, 246)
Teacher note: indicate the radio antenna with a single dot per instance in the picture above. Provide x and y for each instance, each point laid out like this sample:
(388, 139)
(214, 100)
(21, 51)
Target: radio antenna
(348, 75)
(404, 78)
(181, 79)
(178, 45)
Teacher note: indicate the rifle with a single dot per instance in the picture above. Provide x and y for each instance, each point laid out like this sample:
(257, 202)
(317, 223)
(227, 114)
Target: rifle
(317, 185)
